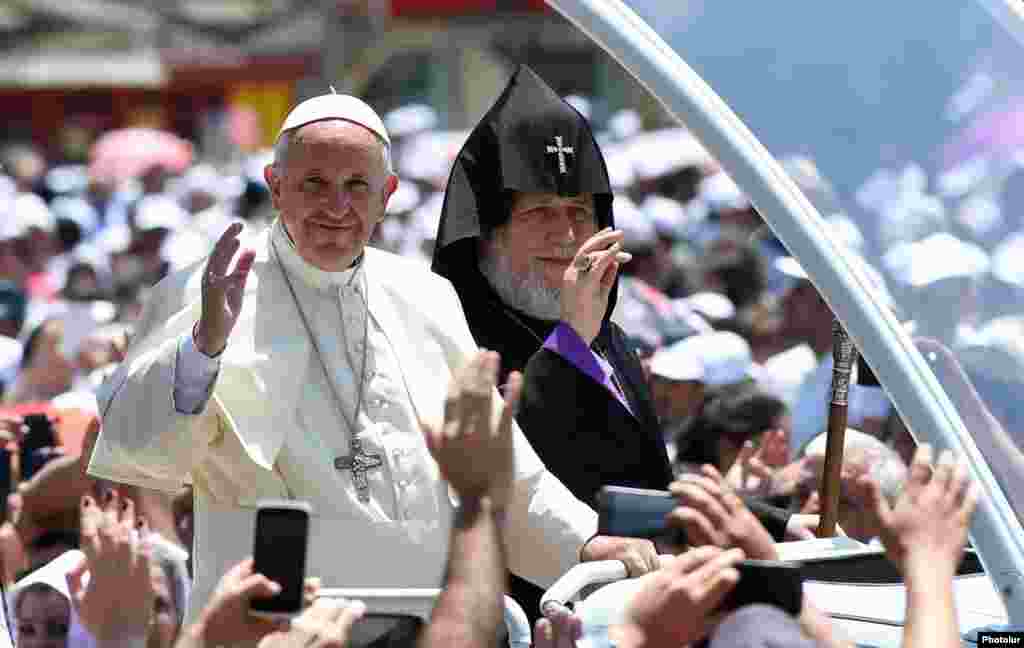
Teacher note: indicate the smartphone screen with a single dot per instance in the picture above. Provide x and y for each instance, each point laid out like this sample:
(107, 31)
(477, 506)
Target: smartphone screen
(280, 555)
(41, 436)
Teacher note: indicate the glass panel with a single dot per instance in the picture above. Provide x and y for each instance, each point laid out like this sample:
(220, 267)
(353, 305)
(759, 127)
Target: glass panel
(913, 114)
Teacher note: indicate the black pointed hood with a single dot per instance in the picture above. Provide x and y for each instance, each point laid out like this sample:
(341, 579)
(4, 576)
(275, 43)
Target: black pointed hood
(531, 140)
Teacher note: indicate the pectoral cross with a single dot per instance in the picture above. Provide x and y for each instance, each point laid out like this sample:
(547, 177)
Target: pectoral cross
(359, 463)
(560, 151)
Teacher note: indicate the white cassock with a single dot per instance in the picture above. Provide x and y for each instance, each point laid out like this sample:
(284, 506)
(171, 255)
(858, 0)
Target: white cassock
(272, 428)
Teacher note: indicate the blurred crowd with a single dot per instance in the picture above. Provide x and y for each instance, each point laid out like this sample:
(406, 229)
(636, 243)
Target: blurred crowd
(735, 338)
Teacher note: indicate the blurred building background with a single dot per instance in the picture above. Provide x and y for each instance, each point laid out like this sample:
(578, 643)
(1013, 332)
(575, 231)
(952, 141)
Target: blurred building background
(230, 69)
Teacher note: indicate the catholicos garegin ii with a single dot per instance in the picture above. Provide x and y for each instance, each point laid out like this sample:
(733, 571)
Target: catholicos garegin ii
(527, 237)
(298, 362)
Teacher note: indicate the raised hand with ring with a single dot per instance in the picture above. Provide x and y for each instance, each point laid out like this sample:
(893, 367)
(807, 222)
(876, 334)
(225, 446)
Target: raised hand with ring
(583, 263)
(588, 281)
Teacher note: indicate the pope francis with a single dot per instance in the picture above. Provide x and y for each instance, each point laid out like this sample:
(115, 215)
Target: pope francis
(301, 367)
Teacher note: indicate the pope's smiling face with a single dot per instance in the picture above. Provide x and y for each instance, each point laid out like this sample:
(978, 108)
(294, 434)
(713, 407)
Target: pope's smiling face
(331, 188)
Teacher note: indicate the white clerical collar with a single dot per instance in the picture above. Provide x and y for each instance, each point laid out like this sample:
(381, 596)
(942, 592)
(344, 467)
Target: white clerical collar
(296, 266)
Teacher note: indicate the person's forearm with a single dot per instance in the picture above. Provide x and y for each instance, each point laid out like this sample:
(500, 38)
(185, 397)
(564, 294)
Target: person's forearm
(815, 624)
(191, 637)
(470, 610)
(931, 613)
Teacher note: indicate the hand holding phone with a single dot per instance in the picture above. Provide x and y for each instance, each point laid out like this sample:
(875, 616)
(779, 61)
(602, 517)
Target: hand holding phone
(279, 553)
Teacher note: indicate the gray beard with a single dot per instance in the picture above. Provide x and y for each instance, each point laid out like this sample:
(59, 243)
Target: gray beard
(528, 295)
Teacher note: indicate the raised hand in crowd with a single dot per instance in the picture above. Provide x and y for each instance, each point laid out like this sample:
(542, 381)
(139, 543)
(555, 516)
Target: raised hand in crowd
(560, 629)
(117, 602)
(754, 470)
(222, 292)
(588, 282)
(12, 428)
(226, 619)
(924, 534)
(476, 457)
(711, 513)
(326, 624)
(13, 553)
(677, 604)
(928, 524)
(474, 452)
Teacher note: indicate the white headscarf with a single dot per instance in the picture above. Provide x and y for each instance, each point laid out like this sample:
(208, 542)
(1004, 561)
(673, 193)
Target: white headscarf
(55, 574)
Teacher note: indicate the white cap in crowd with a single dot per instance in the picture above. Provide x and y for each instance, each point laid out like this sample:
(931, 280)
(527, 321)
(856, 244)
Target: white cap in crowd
(335, 106)
(1006, 260)
(911, 218)
(159, 211)
(963, 178)
(67, 178)
(429, 156)
(661, 152)
(711, 305)
(933, 259)
(184, 247)
(30, 212)
(669, 216)
(997, 350)
(114, 239)
(77, 211)
(638, 230)
(55, 574)
(205, 179)
(82, 319)
(617, 160)
(625, 124)
(720, 192)
(10, 359)
(879, 190)
(816, 446)
(981, 216)
(410, 119)
(716, 359)
(422, 225)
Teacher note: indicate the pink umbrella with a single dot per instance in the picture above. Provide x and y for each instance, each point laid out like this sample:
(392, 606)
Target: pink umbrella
(129, 152)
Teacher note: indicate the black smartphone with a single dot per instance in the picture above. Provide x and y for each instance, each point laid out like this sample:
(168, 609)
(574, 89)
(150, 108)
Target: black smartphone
(636, 513)
(772, 582)
(374, 626)
(279, 553)
(36, 448)
(5, 479)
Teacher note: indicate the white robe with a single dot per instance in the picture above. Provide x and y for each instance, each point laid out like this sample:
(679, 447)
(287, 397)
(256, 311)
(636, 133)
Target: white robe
(271, 428)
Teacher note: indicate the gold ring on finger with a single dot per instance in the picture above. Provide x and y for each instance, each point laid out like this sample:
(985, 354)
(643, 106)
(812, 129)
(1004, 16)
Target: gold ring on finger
(583, 264)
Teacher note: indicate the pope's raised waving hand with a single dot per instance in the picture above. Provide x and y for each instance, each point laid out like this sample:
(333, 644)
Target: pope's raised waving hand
(222, 292)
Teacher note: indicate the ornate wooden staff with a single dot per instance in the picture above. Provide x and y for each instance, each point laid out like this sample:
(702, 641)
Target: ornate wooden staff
(844, 355)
